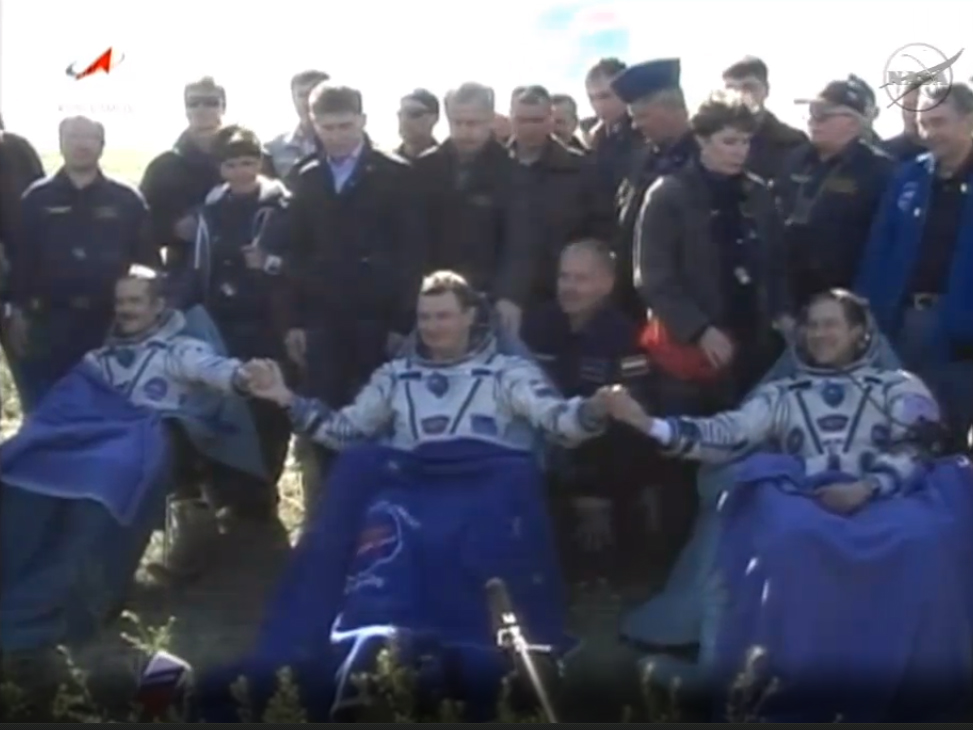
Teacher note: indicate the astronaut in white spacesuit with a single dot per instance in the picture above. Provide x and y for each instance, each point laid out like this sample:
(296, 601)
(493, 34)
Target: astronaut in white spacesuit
(837, 413)
(452, 383)
(148, 359)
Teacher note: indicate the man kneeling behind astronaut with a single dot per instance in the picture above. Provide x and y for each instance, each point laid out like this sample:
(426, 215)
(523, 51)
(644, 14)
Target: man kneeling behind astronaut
(149, 359)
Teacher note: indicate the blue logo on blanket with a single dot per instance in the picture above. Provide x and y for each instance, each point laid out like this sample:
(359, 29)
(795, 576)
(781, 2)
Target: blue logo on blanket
(380, 543)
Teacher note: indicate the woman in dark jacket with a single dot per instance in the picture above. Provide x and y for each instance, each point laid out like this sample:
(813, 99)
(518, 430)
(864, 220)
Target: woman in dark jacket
(706, 254)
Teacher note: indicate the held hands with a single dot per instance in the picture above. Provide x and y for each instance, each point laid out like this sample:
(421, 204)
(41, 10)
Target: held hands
(263, 379)
(620, 405)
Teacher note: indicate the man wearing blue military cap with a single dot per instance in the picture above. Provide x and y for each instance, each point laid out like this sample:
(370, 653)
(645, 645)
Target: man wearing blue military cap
(658, 108)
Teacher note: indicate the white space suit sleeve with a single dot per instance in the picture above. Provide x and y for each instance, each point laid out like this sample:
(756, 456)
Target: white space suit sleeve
(908, 404)
(528, 394)
(368, 416)
(725, 436)
(193, 362)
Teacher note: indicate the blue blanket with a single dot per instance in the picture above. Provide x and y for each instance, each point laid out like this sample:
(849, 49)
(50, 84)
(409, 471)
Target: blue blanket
(83, 487)
(864, 617)
(403, 545)
(678, 616)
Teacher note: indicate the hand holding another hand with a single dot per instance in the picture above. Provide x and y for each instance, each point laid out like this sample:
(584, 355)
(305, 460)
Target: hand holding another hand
(263, 379)
(623, 407)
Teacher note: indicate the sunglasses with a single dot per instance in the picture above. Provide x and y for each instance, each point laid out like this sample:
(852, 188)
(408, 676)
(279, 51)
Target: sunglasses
(210, 102)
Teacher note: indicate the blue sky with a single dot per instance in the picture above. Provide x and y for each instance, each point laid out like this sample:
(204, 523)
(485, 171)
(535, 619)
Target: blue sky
(432, 44)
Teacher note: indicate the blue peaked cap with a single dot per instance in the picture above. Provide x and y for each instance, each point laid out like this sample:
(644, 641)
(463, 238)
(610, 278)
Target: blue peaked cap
(645, 79)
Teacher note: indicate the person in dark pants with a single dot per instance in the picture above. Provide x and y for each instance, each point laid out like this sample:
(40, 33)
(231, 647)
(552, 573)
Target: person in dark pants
(584, 342)
(828, 192)
(240, 254)
(708, 270)
(356, 250)
(79, 232)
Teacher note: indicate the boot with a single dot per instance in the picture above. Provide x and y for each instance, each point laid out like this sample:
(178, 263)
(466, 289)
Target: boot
(191, 531)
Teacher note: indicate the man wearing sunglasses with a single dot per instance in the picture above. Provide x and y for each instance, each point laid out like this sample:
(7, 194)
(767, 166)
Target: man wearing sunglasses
(418, 117)
(829, 189)
(177, 182)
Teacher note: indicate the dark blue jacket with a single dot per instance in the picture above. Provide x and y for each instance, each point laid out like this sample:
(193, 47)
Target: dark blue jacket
(74, 243)
(245, 303)
(604, 352)
(894, 247)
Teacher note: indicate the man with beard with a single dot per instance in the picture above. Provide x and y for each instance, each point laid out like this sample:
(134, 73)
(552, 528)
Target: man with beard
(773, 139)
(478, 226)
(658, 111)
(79, 231)
(559, 184)
(418, 117)
(356, 251)
(908, 145)
(288, 149)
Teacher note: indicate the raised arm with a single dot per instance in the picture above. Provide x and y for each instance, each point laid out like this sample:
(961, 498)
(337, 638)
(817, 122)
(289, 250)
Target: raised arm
(369, 416)
(524, 390)
(720, 438)
(910, 408)
(194, 362)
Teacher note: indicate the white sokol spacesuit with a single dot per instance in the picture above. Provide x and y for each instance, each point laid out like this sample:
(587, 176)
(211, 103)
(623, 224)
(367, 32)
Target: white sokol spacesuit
(160, 368)
(860, 420)
(486, 395)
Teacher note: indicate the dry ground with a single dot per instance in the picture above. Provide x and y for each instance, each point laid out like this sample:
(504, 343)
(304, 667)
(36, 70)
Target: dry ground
(215, 620)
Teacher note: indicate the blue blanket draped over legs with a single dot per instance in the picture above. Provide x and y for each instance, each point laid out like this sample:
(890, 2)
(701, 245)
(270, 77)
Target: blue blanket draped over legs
(678, 616)
(85, 480)
(405, 541)
(867, 616)
(83, 486)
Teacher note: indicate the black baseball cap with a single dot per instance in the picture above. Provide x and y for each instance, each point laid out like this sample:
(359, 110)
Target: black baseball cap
(849, 93)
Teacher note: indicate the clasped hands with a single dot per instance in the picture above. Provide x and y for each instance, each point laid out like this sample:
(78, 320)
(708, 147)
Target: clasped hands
(263, 379)
(616, 402)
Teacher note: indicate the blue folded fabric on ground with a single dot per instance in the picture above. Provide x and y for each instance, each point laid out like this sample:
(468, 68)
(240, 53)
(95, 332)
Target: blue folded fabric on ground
(84, 484)
(403, 545)
(864, 617)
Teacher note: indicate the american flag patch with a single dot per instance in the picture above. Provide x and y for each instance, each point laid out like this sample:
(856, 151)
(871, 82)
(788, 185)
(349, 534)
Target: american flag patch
(634, 366)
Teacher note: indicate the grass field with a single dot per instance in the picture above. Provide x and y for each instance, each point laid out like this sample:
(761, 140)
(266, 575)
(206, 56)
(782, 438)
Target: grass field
(214, 620)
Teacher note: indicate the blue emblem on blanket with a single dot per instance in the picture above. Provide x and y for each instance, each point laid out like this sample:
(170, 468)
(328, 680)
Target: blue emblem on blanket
(403, 545)
(866, 616)
(83, 486)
